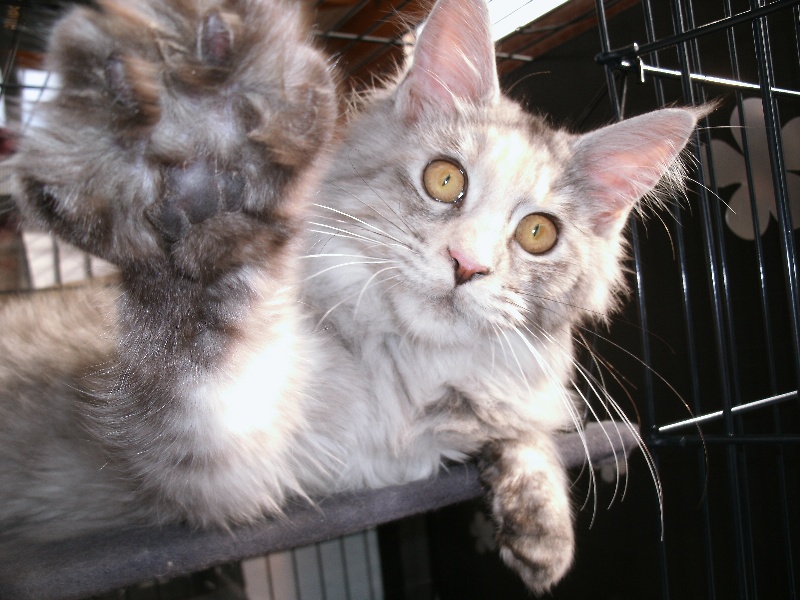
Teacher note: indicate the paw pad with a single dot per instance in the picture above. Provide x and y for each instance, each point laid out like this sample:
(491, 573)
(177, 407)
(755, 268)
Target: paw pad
(194, 193)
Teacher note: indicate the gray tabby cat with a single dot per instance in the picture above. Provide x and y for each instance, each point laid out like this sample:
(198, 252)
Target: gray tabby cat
(300, 314)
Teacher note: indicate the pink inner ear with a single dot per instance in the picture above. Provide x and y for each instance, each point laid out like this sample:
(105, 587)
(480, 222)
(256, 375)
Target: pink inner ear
(453, 62)
(623, 162)
(621, 179)
(628, 176)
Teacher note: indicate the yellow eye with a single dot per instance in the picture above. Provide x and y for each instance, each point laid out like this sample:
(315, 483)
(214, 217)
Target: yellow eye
(536, 233)
(445, 181)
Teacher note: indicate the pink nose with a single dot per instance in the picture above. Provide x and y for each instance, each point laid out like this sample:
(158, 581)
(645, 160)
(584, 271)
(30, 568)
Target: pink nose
(465, 267)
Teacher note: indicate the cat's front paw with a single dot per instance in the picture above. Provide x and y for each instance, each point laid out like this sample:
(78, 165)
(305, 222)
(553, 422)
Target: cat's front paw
(530, 507)
(183, 131)
(541, 556)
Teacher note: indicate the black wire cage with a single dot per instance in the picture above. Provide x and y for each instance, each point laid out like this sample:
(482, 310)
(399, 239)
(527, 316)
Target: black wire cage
(708, 349)
(718, 305)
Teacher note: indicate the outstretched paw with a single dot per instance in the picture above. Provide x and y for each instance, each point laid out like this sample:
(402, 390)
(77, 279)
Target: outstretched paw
(183, 131)
(541, 558)
(531, 509)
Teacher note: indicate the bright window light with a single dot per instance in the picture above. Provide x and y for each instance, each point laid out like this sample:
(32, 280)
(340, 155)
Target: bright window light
(509, 15)
(37, 86)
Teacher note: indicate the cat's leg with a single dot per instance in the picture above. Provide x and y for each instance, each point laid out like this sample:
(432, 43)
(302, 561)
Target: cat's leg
(182, 146)
(531, 508)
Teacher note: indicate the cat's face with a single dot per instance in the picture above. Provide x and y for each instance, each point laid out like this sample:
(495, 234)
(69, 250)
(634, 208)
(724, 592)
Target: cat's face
(478, 216)
(486, 234)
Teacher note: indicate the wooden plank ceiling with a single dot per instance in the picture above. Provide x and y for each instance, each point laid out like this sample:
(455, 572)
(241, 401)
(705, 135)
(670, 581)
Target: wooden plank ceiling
(365, 35)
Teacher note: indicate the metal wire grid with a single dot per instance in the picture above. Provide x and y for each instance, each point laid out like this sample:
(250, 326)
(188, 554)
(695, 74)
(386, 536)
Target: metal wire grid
(734, 305)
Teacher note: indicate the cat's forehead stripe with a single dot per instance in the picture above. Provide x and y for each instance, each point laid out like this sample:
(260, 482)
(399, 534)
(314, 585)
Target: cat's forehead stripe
(526, 160)
(541, 190)
(544, 137)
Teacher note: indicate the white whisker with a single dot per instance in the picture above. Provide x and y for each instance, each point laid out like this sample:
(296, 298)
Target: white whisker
(379, 197)
(516, 360)
(617, 410)
(370, 207)
(336, 255)
(350, 296)
(598, 389)
(494, 352)
(351, 234)
(642, 363)
(347, 264)
(329, 235)
(354, 218)
(570, 408)
(366, 285)
(500, 339)
(329, 311)
(559, 302)
(593, 382)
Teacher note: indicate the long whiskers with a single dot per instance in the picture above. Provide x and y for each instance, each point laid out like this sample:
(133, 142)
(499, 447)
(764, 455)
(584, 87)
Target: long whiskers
(369, 261)
(346, 233)
(378, 196)
(570, 408)
(359, 293)
(631, 355)
(369, 281)
(328, 235)
(516, 361)
(601, 315)
(601, 363)
(369, 226)
(612, 409)
(373, 209)
(597, 388)
(560, 302)
(653, 372)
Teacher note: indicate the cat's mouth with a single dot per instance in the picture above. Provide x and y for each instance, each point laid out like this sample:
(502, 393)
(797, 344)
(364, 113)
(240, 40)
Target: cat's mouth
(459, 307)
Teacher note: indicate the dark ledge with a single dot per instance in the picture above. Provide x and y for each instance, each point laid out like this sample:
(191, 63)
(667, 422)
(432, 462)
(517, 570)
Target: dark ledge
(95, 564)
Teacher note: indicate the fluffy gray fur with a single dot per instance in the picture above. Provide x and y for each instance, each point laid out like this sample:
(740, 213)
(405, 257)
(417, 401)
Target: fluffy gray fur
(297, 314)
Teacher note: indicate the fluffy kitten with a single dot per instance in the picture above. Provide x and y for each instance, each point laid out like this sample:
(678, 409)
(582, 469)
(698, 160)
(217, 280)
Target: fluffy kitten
(293, 321)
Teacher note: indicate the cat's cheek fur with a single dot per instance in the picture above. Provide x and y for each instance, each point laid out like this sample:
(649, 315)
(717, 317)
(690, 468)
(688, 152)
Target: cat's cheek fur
(600, 283)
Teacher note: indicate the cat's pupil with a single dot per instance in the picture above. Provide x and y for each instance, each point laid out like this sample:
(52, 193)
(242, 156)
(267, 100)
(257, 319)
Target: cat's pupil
(446, 180)
(536, 229)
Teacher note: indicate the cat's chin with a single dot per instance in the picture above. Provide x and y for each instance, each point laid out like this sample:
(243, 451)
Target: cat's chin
(437, 320)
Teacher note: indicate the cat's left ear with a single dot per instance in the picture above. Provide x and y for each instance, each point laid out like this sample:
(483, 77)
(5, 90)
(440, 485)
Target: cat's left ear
(621, 163)
(453, 61)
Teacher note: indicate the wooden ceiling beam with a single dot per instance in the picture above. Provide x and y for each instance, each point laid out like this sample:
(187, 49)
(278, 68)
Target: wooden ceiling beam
(553, 29)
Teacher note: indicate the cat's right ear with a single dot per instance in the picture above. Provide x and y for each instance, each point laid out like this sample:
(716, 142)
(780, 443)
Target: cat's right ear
(453, 61)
